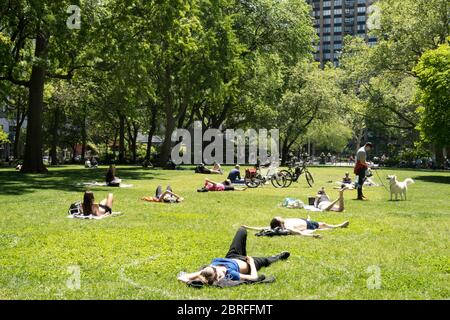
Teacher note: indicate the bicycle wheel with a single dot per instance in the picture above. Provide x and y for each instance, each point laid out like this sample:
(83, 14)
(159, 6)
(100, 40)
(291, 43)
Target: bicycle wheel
(278, 180)
(252, 183)
(287, 178)
(309, 178)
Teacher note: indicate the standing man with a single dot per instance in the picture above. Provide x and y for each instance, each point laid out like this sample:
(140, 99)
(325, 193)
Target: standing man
(361, 166)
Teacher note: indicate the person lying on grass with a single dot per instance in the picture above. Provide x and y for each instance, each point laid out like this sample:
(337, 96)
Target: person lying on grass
(235, 266)
(299, 226)
(217, 186)
(324, 203)
(167, 196)
(89, 207)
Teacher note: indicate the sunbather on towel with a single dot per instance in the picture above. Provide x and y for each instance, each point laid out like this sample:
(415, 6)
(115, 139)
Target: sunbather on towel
(235, 266)
(217, 186)
(324, 203)
(298, 226)
(167, 196)
(89, 207)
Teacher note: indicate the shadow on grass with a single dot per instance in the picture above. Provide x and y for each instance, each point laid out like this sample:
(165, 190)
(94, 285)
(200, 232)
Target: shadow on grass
(64, 179)
(434, 179)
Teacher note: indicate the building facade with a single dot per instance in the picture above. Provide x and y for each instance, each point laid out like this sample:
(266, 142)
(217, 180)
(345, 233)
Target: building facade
(335, 19)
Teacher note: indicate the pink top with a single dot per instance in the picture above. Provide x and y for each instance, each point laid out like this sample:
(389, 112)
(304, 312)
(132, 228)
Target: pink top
(217, 187)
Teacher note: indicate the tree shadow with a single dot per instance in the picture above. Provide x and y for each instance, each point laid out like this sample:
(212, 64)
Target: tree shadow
(63, 179)
(434, 179)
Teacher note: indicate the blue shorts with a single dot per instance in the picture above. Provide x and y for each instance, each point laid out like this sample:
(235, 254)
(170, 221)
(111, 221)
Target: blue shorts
(312, 225)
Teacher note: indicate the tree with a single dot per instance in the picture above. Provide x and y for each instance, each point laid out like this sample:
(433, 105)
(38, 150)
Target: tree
(433, 71)
(37, 45)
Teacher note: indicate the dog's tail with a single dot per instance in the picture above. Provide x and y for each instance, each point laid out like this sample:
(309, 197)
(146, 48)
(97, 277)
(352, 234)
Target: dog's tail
(408, 181)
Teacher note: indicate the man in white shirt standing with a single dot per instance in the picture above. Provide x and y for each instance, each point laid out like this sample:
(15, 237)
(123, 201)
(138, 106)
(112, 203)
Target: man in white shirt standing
(361, 166)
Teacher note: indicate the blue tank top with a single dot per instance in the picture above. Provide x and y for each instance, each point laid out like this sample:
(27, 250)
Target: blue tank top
(231, 265)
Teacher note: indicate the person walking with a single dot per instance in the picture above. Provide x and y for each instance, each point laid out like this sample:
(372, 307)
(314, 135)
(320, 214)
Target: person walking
(360, 168)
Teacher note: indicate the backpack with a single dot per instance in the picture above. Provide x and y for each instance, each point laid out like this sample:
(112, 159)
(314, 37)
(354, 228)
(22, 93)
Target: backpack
(250, 173)
(75, 209)
(292, 203)
(273, 232)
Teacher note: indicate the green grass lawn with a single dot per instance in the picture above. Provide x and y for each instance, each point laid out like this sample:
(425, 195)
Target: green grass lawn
(139, 254)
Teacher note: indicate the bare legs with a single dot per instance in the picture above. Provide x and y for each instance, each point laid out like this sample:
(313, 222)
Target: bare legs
(337, 205)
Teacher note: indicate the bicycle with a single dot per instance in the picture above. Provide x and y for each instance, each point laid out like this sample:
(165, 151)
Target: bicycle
(294, 171)
(257, 177)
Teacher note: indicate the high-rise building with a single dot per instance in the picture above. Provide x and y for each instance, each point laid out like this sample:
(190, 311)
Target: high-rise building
(333, 20)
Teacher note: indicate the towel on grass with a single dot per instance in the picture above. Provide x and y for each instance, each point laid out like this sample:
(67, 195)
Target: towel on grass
(92, 217)
(232, 283)
(104, 184)
(312, 208)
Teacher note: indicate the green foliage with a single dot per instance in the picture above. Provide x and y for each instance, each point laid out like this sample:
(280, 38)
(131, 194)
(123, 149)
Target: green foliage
(3, 136)
(433, 71)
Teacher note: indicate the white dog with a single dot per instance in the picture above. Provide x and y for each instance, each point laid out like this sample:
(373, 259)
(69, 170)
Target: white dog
(398, 187)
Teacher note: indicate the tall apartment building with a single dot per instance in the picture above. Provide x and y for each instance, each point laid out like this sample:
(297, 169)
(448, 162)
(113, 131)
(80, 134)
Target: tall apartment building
(333, 20)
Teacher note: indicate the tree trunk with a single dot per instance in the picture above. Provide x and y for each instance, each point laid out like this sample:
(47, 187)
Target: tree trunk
(83, 136)
(170, 119)
(53, 150)
(33, 148)
(121, 139)
(20, 118)
(151, 132)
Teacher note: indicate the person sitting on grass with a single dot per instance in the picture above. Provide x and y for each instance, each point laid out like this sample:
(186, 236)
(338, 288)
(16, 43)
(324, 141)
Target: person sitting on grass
(235, 175)
(347, 179)
(167, 196)
(89, 207)
(324, 203)
(111, 179)
(299, 226)
(217, 186)
(235, 266)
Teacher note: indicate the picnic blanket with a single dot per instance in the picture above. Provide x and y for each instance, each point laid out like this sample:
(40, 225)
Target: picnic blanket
(232, 283)
(103, 184)
(312, 208)
(92, 217)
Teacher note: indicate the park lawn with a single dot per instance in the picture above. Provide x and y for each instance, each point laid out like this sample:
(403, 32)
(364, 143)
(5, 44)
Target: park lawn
(139, 254)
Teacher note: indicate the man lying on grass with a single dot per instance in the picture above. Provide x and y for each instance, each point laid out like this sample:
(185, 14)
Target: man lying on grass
(235, 266)
(299, 226)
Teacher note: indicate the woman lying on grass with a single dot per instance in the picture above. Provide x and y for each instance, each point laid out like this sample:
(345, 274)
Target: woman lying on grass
(167, 196)
(89, 207)
(235, 266)
(298, 226)
(324, 203)
(216, 186)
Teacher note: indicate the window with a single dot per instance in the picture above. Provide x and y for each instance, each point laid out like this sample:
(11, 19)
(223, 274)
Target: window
(361, 1)
(327, 56)
(361, 27)
(326, 38)
(337, 20)
(327, 4)
(361, 9)
(337, 46)
(361, 19)
(326, 13)
(327, 30)
(337, 29)
(337, 11)
(337, 3)
(337, 38)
